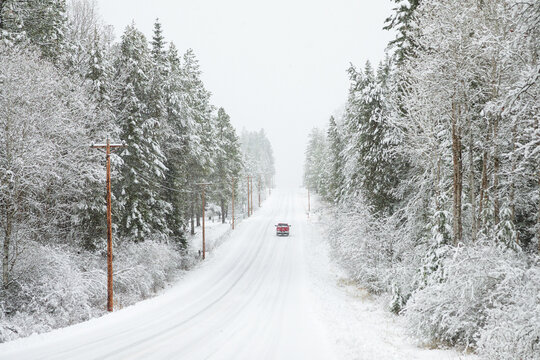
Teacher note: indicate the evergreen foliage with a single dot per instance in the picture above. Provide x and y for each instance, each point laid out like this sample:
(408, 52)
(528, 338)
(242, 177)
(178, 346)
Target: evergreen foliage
(64, 85)
(143, 209)
(435, 163)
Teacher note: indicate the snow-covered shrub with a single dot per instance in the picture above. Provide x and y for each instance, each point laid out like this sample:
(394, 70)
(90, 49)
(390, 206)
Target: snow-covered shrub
(359, 248)
(141, 269)
(455, 308)
(48, 291)
(512, 329)
(371, 250)
(55, 286)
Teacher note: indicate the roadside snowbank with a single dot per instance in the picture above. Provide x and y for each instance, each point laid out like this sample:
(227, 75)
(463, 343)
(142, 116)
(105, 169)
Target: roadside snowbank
(359, 324)
(57, 286)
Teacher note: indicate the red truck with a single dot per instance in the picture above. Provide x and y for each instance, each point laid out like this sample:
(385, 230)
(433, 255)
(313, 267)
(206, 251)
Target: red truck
(282, 229)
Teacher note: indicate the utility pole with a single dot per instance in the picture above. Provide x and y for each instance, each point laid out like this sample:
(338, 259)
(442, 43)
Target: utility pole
(259, 188)
(233, 203)
(251, 198)
(108, 146)
(248, 212)
(203, 219)
(308, 201)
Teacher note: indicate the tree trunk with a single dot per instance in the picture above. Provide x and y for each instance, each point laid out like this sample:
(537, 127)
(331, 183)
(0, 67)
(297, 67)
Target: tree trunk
(496, 166)
(7, 242)
(472, 194)
(484, 187)
(2, 3)
(512, 182)
(223, 211)
(192, 219)
(437, 189)
(538, 216)
(458, 182)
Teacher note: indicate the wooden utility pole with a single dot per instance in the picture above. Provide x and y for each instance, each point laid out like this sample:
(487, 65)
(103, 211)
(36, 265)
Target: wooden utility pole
(233, 203)
(203, 218)
(248, 210)
(308, 201)
(108, 146)
(259, 188)
(251, 198)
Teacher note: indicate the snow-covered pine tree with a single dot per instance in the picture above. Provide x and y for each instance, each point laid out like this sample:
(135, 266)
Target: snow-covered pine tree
(100, 125)
(371, 162)
(258, 161)
(196, 100)
(403, 22)
(228, 162)
(315, 167)
(176, 132)
(42, 23)
(158, 72)
(335, 161)
(99, 73)
(144, 212)
(85, 32)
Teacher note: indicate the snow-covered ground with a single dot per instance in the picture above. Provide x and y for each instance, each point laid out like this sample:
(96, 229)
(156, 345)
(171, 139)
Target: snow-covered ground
(357, 325)
(256, 296)
(215, 234)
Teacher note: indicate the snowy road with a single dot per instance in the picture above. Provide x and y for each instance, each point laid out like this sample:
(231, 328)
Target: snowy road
(254, 297)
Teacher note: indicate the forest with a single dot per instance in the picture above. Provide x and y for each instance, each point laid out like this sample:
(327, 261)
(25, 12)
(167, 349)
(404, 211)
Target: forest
(431, 175)
(66, 84)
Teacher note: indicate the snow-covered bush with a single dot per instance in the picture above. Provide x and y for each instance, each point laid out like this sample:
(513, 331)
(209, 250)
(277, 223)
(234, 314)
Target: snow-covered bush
(55, 286)
(371, 250)
(142, 269)
(454, 309)
(512, 329)
(48, 291)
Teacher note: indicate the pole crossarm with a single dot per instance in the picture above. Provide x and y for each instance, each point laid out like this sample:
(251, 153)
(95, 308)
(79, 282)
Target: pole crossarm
(98, 146)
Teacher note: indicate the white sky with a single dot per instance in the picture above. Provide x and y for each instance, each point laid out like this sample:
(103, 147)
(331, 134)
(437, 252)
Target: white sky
(278, 65)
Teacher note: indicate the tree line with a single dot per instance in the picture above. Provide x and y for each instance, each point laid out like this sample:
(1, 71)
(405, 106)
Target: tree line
(437, 158)
(65, 84)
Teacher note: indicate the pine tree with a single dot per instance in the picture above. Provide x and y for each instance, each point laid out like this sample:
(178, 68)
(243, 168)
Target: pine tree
(100, 126)
(158, 73)
(144, 163)
(404, 23)
(196, 100)
(42, 23)
(176, 136)
(335, 161)
(371, 163)
(315, 169)
(228, 161)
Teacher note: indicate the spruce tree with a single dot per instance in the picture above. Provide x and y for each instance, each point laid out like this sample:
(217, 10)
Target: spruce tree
(403, 22)
(335, 161)
(176, 148)
(228, 161)
(315, 169)
(42, 23)
(144, 212)
(196, 100)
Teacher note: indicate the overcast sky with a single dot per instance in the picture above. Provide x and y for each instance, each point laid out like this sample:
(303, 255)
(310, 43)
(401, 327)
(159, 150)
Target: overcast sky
(278, 65)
